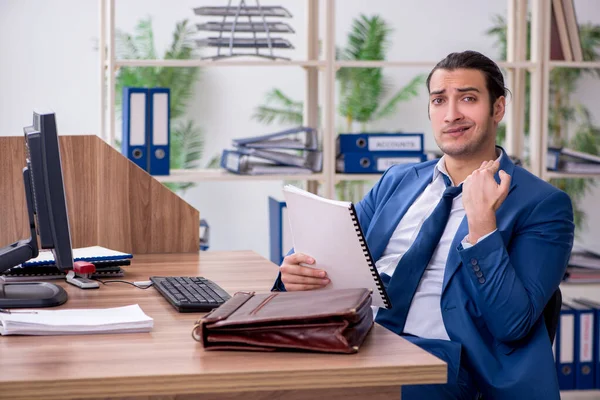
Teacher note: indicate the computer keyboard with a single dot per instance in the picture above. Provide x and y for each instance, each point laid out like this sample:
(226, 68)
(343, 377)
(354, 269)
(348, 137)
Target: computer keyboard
(190, 294)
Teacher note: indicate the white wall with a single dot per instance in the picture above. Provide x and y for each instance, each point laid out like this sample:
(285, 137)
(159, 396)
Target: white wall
(48, 58)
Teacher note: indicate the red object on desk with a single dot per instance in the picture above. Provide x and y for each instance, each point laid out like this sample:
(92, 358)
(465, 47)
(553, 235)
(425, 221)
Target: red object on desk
(84, 267)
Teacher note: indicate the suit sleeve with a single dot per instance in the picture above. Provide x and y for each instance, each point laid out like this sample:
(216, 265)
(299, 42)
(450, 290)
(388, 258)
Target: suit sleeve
(516, 282)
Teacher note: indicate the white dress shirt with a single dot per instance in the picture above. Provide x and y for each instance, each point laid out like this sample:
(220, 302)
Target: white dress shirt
(425, 315)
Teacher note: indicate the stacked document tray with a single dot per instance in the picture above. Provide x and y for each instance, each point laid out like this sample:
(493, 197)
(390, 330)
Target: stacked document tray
(263, 27)
(258, 43)
(243, 27)
(243, 11)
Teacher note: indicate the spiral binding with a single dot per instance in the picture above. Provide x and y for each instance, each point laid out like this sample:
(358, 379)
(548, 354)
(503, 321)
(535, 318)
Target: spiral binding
(368, 257)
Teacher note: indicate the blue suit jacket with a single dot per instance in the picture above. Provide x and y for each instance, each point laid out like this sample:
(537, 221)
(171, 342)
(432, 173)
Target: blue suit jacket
(494, 320)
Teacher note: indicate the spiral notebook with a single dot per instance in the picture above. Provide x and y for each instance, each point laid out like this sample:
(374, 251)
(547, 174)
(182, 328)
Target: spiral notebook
(92, 253)
(328, 231)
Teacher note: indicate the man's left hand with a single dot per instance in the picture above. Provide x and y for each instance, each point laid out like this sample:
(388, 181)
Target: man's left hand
(482, 196)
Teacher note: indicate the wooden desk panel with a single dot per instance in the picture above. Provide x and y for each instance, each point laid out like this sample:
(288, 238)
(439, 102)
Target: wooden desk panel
(168, 361)
(111, 202)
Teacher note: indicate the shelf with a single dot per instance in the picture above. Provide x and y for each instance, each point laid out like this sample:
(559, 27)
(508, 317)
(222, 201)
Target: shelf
(296, 63)
(356, 177)
(213, 175)
(421, 64)
(208, 175)
(549, 175)
(218, 63)
(574, 64)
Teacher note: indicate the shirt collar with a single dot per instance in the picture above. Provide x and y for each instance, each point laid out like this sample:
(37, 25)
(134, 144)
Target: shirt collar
(440, 167)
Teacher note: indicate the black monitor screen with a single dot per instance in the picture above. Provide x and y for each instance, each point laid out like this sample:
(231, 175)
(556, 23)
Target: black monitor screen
(50, 206)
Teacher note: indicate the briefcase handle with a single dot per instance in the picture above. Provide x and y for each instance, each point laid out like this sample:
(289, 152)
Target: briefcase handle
(222, 312)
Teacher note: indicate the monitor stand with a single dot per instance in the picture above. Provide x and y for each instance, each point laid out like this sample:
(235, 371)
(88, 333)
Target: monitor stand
(26, 294)
(31, 294)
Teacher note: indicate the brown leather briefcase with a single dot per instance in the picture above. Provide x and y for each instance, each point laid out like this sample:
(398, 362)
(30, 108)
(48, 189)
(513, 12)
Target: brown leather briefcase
(335, 321)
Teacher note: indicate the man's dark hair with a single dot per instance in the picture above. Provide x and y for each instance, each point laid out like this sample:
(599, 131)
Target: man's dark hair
(473, 60)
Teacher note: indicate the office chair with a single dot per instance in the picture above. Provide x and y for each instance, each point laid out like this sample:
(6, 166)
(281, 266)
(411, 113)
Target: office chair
(551, 314)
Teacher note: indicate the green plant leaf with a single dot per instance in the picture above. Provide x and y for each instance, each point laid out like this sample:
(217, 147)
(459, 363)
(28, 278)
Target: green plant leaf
(279, 108)
(268, 115)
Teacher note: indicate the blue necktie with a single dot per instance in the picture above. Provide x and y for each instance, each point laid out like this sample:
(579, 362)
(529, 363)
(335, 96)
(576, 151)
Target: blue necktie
(403, 284)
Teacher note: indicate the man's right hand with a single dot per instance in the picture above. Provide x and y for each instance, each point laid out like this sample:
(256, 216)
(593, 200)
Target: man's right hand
(298, 277)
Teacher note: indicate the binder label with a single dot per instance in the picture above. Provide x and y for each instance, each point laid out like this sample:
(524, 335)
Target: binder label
(551, 160)
(137, 114)
(385, 163)
(232, 162)
(585, 339)
(160, 118)
(395, 143)
(566, 338)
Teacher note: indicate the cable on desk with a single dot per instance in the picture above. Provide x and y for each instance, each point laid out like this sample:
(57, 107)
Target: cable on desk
(136, 284)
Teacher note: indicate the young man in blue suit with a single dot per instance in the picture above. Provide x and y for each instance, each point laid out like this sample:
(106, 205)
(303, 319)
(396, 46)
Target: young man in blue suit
(470, 247)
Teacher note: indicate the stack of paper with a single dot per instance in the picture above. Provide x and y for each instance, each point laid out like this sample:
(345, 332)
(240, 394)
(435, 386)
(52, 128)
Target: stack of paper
(70, 322)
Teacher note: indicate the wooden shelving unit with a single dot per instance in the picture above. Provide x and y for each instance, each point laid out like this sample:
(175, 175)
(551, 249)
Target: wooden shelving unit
(320, 72)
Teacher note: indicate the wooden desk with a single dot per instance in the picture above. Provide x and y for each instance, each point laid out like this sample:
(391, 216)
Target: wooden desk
(167, 361)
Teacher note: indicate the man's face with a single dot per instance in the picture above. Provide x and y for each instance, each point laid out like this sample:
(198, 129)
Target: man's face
(459, 108)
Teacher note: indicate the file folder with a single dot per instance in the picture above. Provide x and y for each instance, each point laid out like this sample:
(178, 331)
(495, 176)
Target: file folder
(369, 163)
(596, 337)
(565, 348)
(584, 345)
(553, 158)
(135, 140)
(244, 164)
(204, 235)
(310, 159)
(299, 138)
(387, 142)
(280, 235)
(159, 128)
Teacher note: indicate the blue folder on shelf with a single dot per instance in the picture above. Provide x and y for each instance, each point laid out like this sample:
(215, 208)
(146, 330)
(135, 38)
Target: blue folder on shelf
(596, 337)
(204, 235)
(565, 348)
(300, 138)
(384, 142)
(311, 159)
(244, 164)
(159, 130)
(371, 163)
(134, 143)
(279, 231)
(583, 345)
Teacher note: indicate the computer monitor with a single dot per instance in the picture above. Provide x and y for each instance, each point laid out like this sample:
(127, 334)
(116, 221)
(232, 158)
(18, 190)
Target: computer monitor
(48, 219)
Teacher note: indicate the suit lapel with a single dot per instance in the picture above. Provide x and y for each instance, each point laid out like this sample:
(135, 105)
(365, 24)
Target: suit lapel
(454, 261)
(386, 221)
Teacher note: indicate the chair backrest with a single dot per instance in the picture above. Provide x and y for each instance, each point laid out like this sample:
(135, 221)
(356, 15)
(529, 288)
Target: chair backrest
(552, 313)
